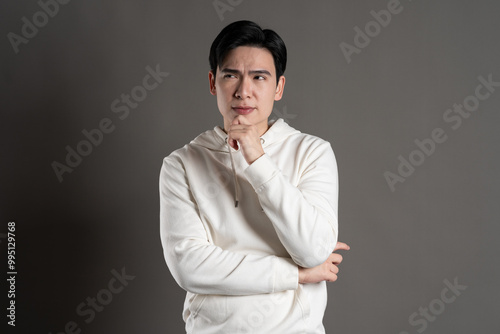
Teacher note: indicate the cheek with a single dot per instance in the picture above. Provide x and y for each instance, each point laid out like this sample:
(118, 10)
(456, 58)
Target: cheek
(223, 103)
(224, 92)
(269, 96)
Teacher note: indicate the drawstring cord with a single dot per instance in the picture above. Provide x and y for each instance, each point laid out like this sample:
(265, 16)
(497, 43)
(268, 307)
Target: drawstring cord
(236, 185)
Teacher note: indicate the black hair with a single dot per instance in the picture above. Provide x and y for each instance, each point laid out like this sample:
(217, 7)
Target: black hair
(247, 33)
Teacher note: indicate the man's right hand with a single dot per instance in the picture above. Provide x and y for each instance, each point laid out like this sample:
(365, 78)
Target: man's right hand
(327, 271)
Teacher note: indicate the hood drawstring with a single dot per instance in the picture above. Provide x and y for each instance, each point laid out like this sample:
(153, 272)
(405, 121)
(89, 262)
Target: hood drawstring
(236, 184)
(215, 140)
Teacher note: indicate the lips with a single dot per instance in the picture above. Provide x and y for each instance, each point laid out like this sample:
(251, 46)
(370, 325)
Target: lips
(243, 110)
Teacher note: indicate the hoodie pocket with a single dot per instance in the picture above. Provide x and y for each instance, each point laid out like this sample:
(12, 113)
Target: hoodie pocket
(206, 311)
(191, 313)
(196, 304)
(303, 301)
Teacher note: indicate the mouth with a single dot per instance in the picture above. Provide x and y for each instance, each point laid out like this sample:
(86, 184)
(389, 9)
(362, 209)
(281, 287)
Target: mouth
(243, 110)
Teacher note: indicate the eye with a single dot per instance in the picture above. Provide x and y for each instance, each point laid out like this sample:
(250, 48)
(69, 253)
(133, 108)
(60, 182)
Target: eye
(227, 76)
(260, 77)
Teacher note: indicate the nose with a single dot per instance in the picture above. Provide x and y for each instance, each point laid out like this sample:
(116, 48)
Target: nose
(244, 88)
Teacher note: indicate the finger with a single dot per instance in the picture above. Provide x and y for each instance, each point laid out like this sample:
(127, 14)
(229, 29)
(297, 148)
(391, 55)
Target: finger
(341, 246)
(233, 133)
(240, 119)
(237, 128)
(332, 278)
(231, 141)
(233, 137)
(335, 258)
(236, 120)
(334, 269)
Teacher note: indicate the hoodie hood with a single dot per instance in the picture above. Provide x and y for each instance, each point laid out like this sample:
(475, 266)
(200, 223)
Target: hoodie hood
(216, 140)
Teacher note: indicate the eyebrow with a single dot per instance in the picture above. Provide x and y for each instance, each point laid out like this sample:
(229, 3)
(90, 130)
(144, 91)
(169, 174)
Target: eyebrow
(230, 70)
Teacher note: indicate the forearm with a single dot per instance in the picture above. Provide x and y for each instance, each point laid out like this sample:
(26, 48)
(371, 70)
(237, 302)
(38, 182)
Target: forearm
(197, 264)
(304, 216)
(202, 268)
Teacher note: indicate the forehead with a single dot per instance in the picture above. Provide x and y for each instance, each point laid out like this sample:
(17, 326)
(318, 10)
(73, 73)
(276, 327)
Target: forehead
(249, 58)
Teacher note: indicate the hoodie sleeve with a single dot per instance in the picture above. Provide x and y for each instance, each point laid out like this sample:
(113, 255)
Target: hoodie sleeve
(199, 266)
(304, 216)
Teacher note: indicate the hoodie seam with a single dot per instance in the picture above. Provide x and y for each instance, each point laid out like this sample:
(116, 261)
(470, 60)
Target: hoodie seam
(262, 187)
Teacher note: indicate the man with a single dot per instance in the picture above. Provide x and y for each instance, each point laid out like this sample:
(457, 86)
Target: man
(249, 211)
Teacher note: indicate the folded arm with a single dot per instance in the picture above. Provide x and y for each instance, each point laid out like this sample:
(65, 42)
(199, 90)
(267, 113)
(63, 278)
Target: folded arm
(199, 266)
(304, 216)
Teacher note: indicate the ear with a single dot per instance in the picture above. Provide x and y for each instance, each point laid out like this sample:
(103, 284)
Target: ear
(211, 79)
(280, 88)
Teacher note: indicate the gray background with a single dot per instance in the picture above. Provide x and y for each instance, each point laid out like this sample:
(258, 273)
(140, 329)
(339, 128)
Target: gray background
(440, 224)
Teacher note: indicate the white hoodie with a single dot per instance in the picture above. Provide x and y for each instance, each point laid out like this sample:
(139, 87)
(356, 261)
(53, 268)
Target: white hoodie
(239, 265)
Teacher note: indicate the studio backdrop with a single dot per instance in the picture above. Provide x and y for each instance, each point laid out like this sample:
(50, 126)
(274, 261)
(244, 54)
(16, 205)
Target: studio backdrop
(94, 94)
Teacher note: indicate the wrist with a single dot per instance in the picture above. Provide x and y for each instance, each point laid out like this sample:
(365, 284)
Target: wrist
(254, 157)
(301, 275)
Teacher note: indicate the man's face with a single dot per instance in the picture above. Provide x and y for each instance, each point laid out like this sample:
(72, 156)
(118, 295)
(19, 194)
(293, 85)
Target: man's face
(245, 84)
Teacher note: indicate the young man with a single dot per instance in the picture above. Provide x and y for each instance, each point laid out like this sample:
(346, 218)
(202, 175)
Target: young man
(249, 211)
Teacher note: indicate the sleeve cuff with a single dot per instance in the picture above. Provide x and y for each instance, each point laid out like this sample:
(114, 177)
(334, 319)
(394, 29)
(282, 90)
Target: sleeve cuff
(261, 171)
(286, 275)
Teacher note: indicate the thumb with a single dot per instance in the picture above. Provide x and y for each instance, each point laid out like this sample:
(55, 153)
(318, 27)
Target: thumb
(341, 246)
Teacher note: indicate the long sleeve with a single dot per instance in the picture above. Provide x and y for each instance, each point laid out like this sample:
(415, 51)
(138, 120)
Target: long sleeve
(198, 265)
(304, 216)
